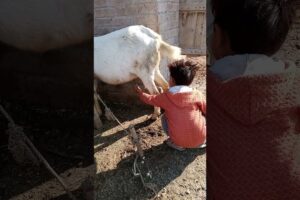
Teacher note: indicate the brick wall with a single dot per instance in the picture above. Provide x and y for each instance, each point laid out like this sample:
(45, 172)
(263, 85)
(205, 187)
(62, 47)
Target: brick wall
(159, 15)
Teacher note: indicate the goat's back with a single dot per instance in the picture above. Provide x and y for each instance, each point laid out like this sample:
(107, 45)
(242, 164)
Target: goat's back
(117, 54)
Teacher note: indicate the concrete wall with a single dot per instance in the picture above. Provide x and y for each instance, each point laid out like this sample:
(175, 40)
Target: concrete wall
(191, 3)
(168, 19)
(159, 15)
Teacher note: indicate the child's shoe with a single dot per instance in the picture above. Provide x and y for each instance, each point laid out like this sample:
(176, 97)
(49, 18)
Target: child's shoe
(202, 146)
(174, 146)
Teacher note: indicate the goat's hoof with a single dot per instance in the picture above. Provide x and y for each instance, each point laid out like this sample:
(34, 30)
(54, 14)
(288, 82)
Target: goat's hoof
(161, 90)
(154, 117)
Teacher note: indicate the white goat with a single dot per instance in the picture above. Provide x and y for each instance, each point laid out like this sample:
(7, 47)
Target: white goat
(130, 53)
(39, 26)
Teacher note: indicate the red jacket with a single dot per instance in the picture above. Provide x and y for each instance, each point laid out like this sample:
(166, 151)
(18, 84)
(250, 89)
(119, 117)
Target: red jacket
(254, 137)
(183, 111)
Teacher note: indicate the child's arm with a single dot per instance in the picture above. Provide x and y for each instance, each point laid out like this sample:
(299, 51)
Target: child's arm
(154, 100)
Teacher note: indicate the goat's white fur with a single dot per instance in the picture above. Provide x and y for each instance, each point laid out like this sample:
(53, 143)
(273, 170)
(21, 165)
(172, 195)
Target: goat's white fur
(130, 53)
(44, 25)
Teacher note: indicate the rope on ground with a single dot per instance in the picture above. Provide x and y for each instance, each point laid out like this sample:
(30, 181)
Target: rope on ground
(137, 172)
(19, 133)
(136, 142)
(109, 113)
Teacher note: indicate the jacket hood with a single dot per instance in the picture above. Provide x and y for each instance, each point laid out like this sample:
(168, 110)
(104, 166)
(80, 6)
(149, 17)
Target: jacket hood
(247, 64)
(185, 99)
(251, 98)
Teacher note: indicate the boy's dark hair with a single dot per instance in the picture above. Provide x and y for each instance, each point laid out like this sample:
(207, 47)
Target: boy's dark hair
(183, 71)
(254, 26)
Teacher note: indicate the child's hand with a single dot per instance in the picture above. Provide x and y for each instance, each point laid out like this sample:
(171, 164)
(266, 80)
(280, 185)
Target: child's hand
(138, 89)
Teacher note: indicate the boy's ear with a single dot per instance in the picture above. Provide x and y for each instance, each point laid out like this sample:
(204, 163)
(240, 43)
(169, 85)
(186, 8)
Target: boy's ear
(218, 35)
(221, 43)
(171, 82)
(224, 38)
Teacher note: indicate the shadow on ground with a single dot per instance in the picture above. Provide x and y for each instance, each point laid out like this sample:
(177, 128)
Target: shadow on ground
(123, 113)
(165, 165)
(100, 141)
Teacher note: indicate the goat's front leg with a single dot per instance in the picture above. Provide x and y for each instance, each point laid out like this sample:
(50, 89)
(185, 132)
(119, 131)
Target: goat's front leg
(156, 113)
(157, 110)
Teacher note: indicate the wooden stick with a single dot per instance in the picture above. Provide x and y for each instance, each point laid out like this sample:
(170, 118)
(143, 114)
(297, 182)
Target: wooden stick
(136, 141)
(47, 165)
(38, 154)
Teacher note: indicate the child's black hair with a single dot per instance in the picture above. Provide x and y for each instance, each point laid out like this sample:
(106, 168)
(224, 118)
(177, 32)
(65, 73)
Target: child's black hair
(183, 71)
(254, 26)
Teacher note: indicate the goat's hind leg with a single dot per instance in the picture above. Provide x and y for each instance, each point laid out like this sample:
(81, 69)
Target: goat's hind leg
(159, 79)
(151, 87)
(148, 74)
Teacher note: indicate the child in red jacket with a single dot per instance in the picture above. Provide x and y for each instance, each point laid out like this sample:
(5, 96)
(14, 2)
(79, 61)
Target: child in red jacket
(184, 107)
(253, 103)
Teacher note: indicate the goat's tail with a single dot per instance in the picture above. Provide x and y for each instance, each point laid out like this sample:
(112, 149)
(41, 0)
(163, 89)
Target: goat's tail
(169, 51)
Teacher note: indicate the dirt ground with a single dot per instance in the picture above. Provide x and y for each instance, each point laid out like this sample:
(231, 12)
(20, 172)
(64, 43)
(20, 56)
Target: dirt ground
(174, 175)
(62, 132)
(64, 147)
